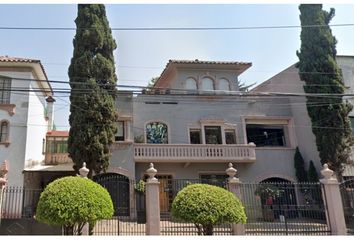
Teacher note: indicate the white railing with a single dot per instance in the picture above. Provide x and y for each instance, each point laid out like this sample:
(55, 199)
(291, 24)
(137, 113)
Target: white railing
(194, 152)
(57, 158)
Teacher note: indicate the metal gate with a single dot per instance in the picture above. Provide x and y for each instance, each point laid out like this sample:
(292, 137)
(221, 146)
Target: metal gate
(129, 207)
(276, 208)
(347, 194)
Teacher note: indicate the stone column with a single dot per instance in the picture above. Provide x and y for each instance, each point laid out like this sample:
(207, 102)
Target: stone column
(234, 187)
(84, 171)
(333, 202)
(152, 202)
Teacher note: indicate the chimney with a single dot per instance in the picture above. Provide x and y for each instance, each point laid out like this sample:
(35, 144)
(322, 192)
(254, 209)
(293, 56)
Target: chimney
(50, 112)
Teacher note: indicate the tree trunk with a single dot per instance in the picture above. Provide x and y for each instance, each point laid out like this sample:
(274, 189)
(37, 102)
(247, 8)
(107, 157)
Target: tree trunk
(208, 229)
(68, 229)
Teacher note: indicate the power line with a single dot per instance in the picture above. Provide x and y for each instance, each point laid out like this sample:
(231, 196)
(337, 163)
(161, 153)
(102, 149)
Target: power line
(179, 28)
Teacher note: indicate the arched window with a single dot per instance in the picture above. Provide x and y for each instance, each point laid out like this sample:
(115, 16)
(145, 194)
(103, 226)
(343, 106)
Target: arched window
(4, 131)
(224, 85)
(207, 84)
(156, 132)
(191, 84)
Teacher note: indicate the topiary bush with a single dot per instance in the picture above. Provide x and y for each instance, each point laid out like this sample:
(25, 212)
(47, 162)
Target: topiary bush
(72, 202)
(206, 206)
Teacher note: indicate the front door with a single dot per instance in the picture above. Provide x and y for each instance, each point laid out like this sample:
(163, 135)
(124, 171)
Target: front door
(165, 192)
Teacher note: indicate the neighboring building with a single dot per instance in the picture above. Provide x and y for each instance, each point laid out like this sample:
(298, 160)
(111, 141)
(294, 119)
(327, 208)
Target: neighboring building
(288, 81)
(26, 114)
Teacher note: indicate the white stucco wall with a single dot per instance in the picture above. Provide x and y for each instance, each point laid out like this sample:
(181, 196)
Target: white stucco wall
(36, 126)
(15, 152)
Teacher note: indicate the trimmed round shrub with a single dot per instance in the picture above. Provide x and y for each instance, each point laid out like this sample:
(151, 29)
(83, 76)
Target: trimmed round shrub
(73, 202)
(206, 205)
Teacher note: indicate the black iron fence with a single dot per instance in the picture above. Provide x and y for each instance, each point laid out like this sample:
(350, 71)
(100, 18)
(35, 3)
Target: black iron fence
(272, 208)
(129, 207)
(284, 209)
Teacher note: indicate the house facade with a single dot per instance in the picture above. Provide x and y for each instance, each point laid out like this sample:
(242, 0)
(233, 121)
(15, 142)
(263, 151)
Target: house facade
(26, 114)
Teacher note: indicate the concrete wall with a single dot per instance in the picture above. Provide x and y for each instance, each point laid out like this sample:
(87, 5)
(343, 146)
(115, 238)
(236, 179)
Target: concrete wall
(122, 160)
(271, 162)
(27, 227)
(288, 81)
(37, 127)
(178, 82)
(190, 110)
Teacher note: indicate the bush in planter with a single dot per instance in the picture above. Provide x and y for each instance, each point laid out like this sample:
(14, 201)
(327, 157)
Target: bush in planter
(72, 202)
(206, 205)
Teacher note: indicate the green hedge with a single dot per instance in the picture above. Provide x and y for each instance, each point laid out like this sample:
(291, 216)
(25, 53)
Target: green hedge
(71, 200)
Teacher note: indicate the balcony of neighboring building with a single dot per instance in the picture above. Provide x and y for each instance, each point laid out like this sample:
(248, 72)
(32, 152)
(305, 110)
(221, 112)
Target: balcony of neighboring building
(56, 148)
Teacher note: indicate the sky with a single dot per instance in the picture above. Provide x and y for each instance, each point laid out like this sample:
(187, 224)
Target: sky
(142, 55)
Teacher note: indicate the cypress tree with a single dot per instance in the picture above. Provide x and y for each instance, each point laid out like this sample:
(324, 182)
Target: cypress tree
(319, 70)
(312, 173)
(92, 80)
(299, 165)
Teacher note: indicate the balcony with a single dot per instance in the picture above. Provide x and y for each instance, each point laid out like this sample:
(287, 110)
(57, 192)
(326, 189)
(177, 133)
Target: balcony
(242, 153)
(57, 158)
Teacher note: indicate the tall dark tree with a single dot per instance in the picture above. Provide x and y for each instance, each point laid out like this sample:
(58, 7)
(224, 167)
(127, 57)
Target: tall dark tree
(319, 70)
(92, 80)
(299, 164)
(312, 173)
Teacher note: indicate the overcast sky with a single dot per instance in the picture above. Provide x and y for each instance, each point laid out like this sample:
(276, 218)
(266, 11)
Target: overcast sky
(142, 55)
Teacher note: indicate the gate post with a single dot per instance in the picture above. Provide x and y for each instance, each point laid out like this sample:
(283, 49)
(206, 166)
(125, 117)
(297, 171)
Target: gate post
(234, 185)
(333, 202)
(152, 202)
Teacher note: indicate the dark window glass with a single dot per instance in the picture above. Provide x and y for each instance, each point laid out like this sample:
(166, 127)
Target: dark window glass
(4, 130)
(266, 135)
(5, 85)
(120, 131)
(230, 136)
(194, 136)
(212, 134)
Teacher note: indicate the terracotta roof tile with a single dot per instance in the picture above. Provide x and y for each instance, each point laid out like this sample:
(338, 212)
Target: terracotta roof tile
(22, 60)
(58, 133)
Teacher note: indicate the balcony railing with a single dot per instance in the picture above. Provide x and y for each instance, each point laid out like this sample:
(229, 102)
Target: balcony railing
(194, 152)
(57, 158)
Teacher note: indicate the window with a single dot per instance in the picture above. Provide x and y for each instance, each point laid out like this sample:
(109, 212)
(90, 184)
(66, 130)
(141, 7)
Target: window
(207, 84)
(57, 145)
(156, 132)
(194, 135)
(352, 124)
(224, 84)
(191, 84)
(266, 135)
(119, 136)
(230, 136)
(5, 85)
(212, 135)
(4, 131)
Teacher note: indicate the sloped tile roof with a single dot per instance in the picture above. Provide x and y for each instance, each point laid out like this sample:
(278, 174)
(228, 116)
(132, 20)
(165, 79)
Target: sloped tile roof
(22, 60)
(196, 61)
(244, 65)
(58, 133)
